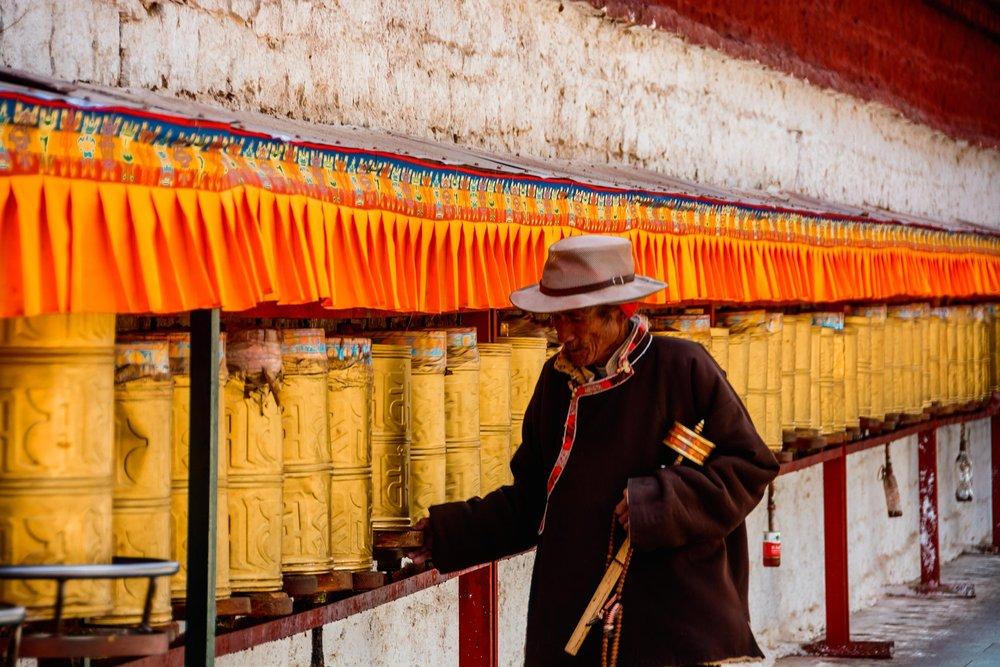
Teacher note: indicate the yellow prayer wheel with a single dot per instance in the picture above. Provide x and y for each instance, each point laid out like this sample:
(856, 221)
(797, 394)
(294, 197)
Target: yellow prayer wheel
(461, 430)
(526, 362)
(788, 373)
(935, 362)
(773, 416)
(839, 383)
(141, 508)
(494, 415)
(305, 542)
(892, 374)
(859, 328)
(965, 351)
(427, 472)
(851, 410)
(981, 358)
(876, 322)
(738, 368)
(720, 347)
(56, 422)
(696, 328)
(750, 349)
(253, 433)
(802, 380)
(349, 401)
(391, 436)
(180, 369)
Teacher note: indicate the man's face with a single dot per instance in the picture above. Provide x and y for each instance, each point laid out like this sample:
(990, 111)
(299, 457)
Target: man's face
(589, 336)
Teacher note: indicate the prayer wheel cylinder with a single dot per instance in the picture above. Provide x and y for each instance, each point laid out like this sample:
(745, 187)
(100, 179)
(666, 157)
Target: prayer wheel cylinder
(802, 389)
(391, 436)
(827, 381)
(428, 466)
(738, 365)
(994, 344)
(56, 421)
(461, 427)
(863, 350)
(876, 318)
(788, 373)
(720, 347)
(254, 441)
(494, 415)
(141, 509)
(526, 361)
(935, 363)
(305, 543)
(839, 383)
(773, 415)
(981, 358)
(951, 349)
(964, 354)
(851, 409)
(893, 335)
(695, 328)
(180, 369)
(349, 401)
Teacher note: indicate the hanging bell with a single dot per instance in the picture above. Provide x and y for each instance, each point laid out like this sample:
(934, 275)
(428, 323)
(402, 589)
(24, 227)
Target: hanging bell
(963, 468)
(891, 487)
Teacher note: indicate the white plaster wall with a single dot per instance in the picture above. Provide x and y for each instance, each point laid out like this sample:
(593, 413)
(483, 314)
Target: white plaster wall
(294, 651)
(513, 586)
(964, 524)
(533, 77)
(884, 551)
(786, 603)
(418, 630)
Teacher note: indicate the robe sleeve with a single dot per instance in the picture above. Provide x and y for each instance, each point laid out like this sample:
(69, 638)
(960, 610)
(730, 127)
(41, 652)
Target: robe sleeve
(687, 503)
(504, 522)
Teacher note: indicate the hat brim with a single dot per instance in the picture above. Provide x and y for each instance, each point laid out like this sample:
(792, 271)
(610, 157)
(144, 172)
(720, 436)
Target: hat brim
(532, 300)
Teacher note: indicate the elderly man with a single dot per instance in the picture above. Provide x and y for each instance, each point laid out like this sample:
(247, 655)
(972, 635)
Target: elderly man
(593, 465)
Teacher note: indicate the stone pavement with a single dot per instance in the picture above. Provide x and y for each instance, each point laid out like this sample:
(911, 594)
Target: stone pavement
(942, 632)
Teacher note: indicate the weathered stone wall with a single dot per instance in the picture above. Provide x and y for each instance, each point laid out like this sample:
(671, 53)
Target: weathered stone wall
(534, 77)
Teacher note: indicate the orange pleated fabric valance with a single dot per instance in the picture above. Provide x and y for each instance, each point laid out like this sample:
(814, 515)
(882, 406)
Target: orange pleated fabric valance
(117, 210)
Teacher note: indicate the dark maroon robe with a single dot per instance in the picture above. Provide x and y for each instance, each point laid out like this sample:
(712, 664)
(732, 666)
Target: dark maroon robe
(685, 595)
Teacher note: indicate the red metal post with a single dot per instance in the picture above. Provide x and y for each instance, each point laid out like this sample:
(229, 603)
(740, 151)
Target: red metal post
(477, 590)
(838, 599)
(930, 552)
(930, 562)
(995, 465)
(477, 627)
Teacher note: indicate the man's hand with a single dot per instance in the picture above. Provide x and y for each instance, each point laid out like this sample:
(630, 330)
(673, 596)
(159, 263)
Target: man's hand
(421, 556)
(621, 510)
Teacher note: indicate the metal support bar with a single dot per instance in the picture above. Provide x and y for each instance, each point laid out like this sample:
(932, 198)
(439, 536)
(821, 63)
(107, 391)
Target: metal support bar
(995, 465)
(199, 636)
(838, 600)
(477, 590)
(930, 552)
(477, 621)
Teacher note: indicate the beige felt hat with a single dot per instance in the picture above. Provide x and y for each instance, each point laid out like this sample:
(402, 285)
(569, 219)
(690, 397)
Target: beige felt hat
(582, 271)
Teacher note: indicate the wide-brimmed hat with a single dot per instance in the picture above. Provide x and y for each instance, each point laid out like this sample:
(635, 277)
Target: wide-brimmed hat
(582, 271)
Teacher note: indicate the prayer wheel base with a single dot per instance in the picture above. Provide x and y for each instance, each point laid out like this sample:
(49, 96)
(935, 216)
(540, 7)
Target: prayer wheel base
(231, 606)
(366, 581)
(335, 582)
(275, 603)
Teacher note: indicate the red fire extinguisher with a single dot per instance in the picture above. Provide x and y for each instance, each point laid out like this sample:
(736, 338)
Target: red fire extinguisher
(772, 537)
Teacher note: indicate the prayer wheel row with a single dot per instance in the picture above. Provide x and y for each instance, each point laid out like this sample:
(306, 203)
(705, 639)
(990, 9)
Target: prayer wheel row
(822, 373)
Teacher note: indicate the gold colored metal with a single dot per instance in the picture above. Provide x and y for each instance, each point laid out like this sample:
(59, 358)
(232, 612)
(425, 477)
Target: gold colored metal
(827, 380)
(349, 400)
(815, 404)
(802, 408)
(494, 415)
(696, 328)
(738, 364)
(720, 347)
(526, 362)
(788, 373)
(180, 362)
(58, 455)
(757, 334)
(253, 433)
(305, 544)
(391, 436)
(461, 401)
(851, 409)
(427, 478)
(839, 383)
(141, 508)
(935, 362)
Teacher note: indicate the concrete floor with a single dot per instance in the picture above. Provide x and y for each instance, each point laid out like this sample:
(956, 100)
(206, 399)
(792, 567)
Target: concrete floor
(943, 632)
